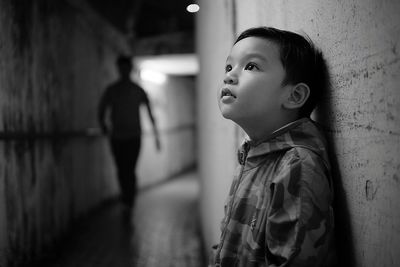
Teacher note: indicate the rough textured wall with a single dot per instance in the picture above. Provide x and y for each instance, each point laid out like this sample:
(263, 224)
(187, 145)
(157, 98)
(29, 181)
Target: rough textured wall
(361, 42)
(54, 61)
(216, 136)
(173, 104)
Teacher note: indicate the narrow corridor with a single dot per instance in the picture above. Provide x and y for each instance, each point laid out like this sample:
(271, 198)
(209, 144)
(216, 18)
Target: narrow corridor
(162, 231)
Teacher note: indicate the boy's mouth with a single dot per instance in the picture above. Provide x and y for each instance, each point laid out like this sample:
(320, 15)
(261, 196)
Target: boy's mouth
(227, 92)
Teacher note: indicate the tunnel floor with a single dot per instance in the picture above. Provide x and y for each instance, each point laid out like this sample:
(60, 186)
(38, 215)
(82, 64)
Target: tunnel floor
(163, 230)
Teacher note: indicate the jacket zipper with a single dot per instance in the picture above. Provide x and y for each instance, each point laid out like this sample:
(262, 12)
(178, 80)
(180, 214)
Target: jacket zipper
(242, 161)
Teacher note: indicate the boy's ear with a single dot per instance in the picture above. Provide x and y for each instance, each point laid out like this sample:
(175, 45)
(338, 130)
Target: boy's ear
(297, 96)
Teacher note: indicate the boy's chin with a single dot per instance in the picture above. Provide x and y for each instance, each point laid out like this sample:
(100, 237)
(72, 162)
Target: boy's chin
(228, 116)
(225, 114)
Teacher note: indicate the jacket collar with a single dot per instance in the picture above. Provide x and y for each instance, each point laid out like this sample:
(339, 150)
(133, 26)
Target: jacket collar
(301, 133)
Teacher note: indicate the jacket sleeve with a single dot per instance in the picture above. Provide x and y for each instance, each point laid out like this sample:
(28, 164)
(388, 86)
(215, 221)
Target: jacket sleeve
(299, 217)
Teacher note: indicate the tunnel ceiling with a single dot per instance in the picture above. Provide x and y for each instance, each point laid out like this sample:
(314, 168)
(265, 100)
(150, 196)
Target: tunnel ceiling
(151, 17)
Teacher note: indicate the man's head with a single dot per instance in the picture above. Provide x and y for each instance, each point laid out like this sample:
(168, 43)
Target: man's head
(272, 76)
(124, 65)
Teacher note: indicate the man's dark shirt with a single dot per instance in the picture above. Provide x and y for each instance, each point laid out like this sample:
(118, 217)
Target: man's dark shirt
(124, 99)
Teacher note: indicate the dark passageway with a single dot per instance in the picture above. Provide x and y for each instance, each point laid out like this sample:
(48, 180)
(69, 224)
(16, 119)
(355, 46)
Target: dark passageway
(58, 181)
(57, 58)
(162, 231)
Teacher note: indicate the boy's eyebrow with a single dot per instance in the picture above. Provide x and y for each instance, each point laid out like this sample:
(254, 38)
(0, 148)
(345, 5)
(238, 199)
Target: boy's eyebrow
(255, 54)
(251, 55)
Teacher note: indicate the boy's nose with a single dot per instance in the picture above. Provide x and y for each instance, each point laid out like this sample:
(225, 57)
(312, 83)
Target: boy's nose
(230, 79)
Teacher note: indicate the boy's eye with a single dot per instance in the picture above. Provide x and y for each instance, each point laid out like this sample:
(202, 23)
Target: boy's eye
(251, 66)
(228, 68)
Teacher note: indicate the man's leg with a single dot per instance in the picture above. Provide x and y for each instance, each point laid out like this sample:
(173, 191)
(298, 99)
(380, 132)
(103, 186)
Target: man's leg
(134, 154)
(126, 153)
(119, 150)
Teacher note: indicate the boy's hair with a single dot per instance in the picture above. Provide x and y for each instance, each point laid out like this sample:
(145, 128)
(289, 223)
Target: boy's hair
(302, 61)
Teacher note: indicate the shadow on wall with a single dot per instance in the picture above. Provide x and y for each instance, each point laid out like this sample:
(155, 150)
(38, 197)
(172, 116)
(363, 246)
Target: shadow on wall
(343, 231)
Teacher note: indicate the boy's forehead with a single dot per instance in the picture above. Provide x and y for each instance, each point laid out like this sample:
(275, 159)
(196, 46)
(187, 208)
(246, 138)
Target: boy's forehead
(255, 46)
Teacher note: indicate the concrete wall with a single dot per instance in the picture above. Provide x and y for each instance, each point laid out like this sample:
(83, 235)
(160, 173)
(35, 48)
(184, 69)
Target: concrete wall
(216, 136)
(55, 59)
(361, 42)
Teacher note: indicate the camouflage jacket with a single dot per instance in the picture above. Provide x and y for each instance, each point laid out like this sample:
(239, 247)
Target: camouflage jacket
(279, 208)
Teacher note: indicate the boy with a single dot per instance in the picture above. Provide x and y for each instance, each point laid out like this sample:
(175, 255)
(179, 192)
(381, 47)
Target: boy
(279, 208)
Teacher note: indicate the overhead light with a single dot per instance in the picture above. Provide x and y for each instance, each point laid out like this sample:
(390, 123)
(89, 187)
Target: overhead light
(193, 8)
(178, 64)
(152, 76)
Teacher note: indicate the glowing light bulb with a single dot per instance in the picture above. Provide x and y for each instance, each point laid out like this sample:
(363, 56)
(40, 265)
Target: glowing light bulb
(193, 8)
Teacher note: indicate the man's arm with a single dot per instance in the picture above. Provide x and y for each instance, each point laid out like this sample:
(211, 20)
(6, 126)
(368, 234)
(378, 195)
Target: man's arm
(300, 218)
(153, 122)
(101, 112)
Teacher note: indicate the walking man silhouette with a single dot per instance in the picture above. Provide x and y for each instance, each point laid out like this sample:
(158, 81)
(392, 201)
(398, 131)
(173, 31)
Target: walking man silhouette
(121, 102)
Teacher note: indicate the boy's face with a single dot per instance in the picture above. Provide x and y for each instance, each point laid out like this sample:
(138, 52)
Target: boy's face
(252, 90)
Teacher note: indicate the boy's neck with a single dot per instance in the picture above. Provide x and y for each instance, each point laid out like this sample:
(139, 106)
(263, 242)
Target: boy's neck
(261, 132)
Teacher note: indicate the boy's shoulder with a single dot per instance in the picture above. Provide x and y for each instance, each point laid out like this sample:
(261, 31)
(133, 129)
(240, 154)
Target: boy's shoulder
(305, 155)
(302, 157)
(297, 147)
(305, 142)
(301, 166)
